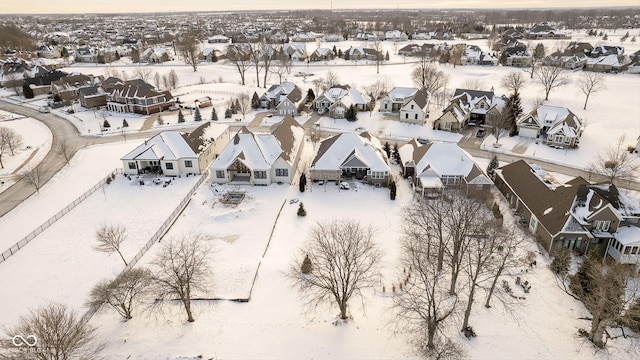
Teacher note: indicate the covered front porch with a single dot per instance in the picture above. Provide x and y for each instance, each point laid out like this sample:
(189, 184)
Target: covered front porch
(625, 247)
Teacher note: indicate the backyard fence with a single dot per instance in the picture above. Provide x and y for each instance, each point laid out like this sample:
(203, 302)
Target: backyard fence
(157, 236)
(25, 240)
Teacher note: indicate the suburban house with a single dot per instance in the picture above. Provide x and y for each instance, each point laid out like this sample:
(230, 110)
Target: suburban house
(396, 35)
(360, 53)
(411, 103)
(566, 60)
(261, 159)
(435, 166)
(295, 51)
(612, 218)
(556, 125)
(336, 100)
(473, 55)
(607, 63)
(68, 87)
(283, 97)
(351, 156)
(137, 96)
(517, 57)
(322, 54)
(155, 55)
(544, 31)
(543, 205)
(175, 153)
(92, 97)
(217, 39)
(470, 107)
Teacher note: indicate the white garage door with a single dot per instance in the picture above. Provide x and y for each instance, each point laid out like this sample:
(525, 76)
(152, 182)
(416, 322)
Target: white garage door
(528, 132)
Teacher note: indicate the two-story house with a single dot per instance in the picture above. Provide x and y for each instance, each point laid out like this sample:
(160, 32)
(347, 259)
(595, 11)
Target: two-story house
(336, 100)
(137, 96)
(556, 125)
(470, 107)
(412, 104)
(282, 97)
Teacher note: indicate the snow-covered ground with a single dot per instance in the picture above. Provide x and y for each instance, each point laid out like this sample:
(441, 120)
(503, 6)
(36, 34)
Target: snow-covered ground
(61, 265)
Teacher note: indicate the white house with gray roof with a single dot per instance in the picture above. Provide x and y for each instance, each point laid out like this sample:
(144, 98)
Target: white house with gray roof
(556, 125)
(336, 100)
(412, 104)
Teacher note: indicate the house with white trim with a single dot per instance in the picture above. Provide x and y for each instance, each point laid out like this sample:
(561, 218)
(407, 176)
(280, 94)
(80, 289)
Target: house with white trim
(175, 153)
(335, 101)
(435, 166)
(282, 97)
(470, 107)
(261, 159)
(351, 156)
(556, 125)
(412, 104)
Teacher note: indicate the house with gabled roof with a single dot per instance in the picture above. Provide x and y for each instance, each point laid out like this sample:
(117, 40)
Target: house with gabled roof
(556, 125)
(543, 205)
(283, 97)
(136, 96)
(174, 153)
(336, 100)
(67, 87)
(351, 156)
(412, 104)
(322, 54)
(435, 166)
(261, 159)
(470, 107)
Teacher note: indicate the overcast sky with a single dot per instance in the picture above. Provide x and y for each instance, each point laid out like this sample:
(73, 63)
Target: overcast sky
(123, 6)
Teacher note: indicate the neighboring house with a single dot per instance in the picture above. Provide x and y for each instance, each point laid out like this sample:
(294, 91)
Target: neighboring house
(261, 159)
(473, 55)
(612, 218)
(411, 103)
(175, 153)
(92, 97)
(137, 96)
(349, 155)
(41, 84)
(543, 206)
(565, 60)
(218, 39)
(360, 53)
(209, 54)
(283, 97)
(68, 87)
(470, 107)
(295, 51)
(556, 125)
(607, 63)
(336, 100)
(332, 38)
(517, 57)
(366, 37)
(396, 35)
(544, 31)
(305, 37)
(322, 54)
(436, 165)
(87, 54)
(155, 55)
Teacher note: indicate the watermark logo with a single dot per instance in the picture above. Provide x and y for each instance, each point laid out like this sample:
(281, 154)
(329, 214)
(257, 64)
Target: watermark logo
(30, 340)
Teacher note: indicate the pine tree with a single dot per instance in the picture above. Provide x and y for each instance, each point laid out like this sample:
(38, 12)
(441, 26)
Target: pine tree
(387, 149)
(538, 53)
(395, 154)
(352, 113)
(301, 107)
(561, 261)
(301, 210)
(236, 106)
(493, 165)
(582, 282)
(392, 190)
(335, 51)
(306, 265)
(515, 107)
(303, 182)
(214, 115)
(605, 37)
(346, 54)
(386, 56)
(228, 113)
(255, 100)
(125, 123)
(197, 116)
(27, 91)
(340, 53)
(214, 57)
(180, 116)
(310, 95)
(106, 124)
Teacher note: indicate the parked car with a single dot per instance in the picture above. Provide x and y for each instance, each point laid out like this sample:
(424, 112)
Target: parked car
(344, 185)
(480, 133)
(173, 108)
(44, 109)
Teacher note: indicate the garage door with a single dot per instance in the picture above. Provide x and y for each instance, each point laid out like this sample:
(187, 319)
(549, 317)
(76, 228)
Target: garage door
(528, 132)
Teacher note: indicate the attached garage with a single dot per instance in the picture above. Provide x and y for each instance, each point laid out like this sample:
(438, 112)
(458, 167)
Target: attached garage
(528, 132)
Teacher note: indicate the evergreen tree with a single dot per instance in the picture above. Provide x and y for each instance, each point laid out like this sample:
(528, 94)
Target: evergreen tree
(236, 106)
(340, 53)
(255, 100)
(301, 107)
(582, 282)
(228, 113)
(214, 115)
(301, 210)
(310, 95)
(514, 108)
(335, 51)
(352, 113)
(180, 116)
(27, 91)
(538, 53)
(605, 37)
(493, 165)
(387, 149)
(395, 154)
(386, 56)
(125, 123)
(106, 124)
(392, 190)
(214, 57)
(561, 261)
(306, 265)
(346, 54)
(197, 116)
(303, 182)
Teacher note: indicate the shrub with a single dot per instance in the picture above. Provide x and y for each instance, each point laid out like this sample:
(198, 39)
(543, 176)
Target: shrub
(301, 210)
(306, 265)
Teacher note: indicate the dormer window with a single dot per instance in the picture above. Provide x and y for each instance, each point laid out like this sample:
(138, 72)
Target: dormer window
(601, 225)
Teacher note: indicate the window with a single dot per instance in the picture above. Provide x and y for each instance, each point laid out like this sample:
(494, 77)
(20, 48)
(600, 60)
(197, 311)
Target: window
(132, 165)
(220, 174)
(411, 106)
(558, 138)
(406, 116)
(533, 224)
(259, 174)
(188, 163)
(168, 166)
(416, 117)
(282, 172)
(601, 225)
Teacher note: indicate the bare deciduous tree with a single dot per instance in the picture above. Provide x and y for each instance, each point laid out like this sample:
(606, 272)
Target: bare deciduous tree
(11, 139)
(121, 293)
(267, 59)
(173, 79)
(378, 89)
(616, 162)
(473, 84)
(256, 60)
(500, 123)
(513, 81)
(61, 334)
(343, 263)
(426, 75)
(244, 100)
(181, 268)
(505, 257)
(109, 238)
(332, 78)
(189, 49)
(590, 83)
(143, 73)
(65, 150)
(531, 70)
(156, 79)
(424, 305)
(35, 177)
(240, 57)
(281, 66)
(551, 77)
(377, 46)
